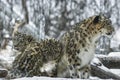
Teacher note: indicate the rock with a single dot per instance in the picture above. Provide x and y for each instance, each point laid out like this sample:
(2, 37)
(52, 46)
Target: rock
(3, 73)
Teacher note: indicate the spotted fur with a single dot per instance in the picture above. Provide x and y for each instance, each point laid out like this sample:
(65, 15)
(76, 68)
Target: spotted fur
(38, 59)
(20, 41)
(70, 57)
(79, 47)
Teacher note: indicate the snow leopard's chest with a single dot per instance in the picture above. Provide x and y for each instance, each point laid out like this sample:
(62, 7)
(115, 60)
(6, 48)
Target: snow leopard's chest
(76, 60)
(86, 55)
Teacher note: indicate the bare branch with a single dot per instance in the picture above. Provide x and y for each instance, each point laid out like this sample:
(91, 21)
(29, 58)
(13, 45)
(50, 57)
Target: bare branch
(26, 14)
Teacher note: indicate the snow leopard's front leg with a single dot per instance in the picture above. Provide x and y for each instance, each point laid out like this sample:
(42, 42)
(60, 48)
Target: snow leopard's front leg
(76, 71)
(74, 66)
(84, 72)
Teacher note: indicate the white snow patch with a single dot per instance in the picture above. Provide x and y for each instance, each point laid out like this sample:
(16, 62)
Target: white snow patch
(17, 10)
(112, 2)
(115, 54)
(100, 55)
(115, 42)
(6, 3)
(43, 78)
(116, 71)
(2, 79)
(50, 78)
(95, 60)
(98, 2)
(117, 35)
(31, 24)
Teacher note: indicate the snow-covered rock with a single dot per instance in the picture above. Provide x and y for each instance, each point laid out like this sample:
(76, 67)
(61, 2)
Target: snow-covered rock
(97, 62)
(114, 54)
(116, 71)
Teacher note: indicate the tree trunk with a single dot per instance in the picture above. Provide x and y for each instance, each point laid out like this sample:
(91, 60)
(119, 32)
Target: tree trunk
(103, 73)
(99, 70)
(110, 62)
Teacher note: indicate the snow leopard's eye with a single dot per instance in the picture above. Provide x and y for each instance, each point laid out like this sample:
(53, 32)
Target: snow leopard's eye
(96, 19)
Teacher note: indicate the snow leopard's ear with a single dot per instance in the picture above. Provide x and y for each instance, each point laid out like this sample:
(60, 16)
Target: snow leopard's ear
(96, 19)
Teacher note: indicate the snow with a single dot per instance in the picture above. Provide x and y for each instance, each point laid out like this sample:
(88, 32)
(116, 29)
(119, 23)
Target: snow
(112, 2)
(97, 62)
(115, 42)
(49, 78)
(17, 10)
(98, 2)
(43, 78)
(7, 56)
(117, 36)
(6, 3)
(2, 79)
(114, 54)
(116, 71)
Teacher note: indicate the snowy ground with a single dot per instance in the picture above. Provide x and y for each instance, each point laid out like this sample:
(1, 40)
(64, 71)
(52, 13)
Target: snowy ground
(49, 78)
(7, 58)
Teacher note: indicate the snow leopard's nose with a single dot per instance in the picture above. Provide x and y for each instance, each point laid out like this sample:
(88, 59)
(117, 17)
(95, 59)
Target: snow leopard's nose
(109, 33)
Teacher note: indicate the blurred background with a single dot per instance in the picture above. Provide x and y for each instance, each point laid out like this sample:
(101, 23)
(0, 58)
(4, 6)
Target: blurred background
(52, 18)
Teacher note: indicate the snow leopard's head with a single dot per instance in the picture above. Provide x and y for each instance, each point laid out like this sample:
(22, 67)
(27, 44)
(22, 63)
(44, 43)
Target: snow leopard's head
(103, 25)
(20, 41)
